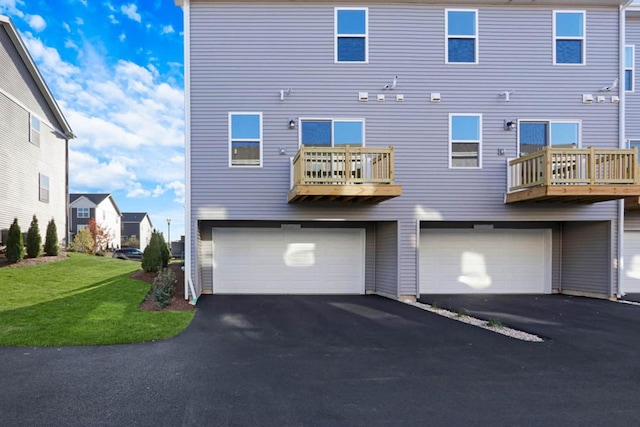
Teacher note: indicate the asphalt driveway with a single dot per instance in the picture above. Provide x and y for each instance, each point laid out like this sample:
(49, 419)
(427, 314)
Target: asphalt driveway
(301, 360)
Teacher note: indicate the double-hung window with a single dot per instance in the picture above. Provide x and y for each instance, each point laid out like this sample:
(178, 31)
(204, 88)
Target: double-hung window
(465, 141)
(34, 130)
(462, 36)
(331, 133)
(351, 34)
(569, 38)
(534, 135)
(44, 188)
(82, 212)
(629, 68)
(245, 139)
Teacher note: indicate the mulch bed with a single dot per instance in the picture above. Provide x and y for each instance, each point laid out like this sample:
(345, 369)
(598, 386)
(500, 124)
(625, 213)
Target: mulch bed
(42, 259)
(177, 299)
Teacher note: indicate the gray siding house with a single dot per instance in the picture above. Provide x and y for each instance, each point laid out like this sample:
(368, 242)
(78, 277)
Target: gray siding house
(34, 138)
(98, 206)
(405, 148)
(136, 226)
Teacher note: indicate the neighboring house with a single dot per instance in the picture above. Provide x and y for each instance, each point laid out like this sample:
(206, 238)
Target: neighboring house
(102, 208)
(494, 160)
(136, 226)
(34, 137)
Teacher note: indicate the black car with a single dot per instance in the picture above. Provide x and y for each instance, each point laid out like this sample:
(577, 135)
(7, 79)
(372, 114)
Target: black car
(131, 254)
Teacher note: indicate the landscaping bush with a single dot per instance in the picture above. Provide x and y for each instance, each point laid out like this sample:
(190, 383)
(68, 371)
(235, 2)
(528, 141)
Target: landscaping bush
(152, 256)
(83, 242)
(163, 286)
(51, 240)
(15, 245)
(34, 240)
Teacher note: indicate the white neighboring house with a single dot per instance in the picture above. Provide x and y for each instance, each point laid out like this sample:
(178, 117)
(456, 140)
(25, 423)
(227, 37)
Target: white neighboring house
(137, 224)
(101, 207)
(34, 137)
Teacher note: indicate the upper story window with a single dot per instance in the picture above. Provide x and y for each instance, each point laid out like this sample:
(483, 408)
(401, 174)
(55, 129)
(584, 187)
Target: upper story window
(569, 37)
(44, 188)
(351, 34)
(465, 141)
(34, 130)
(331, 133)
(462, 36)
(82, 212)
(534, 135)
(245, 139)
(629, 68)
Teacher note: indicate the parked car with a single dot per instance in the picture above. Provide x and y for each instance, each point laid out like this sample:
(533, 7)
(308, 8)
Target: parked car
(131, 254)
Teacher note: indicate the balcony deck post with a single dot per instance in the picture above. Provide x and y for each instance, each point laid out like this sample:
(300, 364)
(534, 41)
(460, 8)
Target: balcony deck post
(548, 171)
(391, 162)
(592, 165)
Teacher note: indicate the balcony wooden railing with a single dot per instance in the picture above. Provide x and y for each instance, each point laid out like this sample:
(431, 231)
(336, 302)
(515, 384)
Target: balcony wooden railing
(573, 175)
(343, 173)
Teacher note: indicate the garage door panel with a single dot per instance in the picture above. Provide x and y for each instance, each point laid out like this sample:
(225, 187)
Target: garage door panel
(485, 261)
(282, 261)
(631, 269)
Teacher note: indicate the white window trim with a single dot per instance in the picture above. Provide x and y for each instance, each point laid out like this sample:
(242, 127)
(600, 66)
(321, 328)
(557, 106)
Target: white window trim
(550, 121)
(32, 130)
(81, 227)
(229, 129)
(476, 37)
(336, 35)
(332, 120)
(583, 38)
(479, 141)
(78, 213)
(632, 68)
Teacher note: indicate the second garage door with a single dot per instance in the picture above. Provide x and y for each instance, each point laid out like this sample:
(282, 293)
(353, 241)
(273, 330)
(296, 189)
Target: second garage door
(496, 261)
(288, 261)
(631, 273)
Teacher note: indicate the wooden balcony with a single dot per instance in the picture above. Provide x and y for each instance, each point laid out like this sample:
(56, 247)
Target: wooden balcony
(573, 175)
(343, 174)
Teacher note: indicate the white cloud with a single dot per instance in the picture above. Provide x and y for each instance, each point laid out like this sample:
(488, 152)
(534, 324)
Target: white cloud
(131, 11)
(137, 191)
(84, 2)
(113, 19)
(122, 37)
(67, 27)
(36, 22)
(167, 29)
(109, 6)
(70, 44)
(79, 21)
(10, 7)
(158, 191)
(48, 58)
(178, 189)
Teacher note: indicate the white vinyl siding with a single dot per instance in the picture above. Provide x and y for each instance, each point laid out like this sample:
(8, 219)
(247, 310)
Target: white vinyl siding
(465, 141)
(288, 261)
(351, 35)
(245, 139)
(492, 261)
(569, 37)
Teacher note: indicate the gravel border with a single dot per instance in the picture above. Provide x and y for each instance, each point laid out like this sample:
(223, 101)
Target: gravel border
(503, 330)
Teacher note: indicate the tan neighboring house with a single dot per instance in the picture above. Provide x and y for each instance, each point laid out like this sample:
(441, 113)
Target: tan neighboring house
(136, 227)
(100, 206)
(34, 140)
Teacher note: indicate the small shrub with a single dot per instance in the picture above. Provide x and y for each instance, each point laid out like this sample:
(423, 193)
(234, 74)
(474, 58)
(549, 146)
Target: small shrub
(163, 286)
(34, 240)
(51, 239)
(462, 313)
(152, 256)
(83, 242)
(15, 245)
(493, 323)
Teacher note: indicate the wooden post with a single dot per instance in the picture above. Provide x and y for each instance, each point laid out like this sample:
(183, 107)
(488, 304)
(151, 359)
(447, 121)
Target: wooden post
(391, 165)
(634, 166)
(547, 166)
(347, 166)
(592, 165)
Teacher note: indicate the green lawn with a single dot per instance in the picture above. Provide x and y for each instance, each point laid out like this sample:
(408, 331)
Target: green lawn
(82, 300)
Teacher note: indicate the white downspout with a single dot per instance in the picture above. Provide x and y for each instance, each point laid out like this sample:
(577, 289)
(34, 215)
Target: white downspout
(188, 282)
(622, 143)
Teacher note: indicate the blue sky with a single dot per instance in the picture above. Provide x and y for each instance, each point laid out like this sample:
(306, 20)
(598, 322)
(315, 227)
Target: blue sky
(116, 69)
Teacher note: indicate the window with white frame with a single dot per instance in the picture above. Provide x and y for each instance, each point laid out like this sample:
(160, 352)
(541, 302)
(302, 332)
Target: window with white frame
(465, 141)
(34, 130)
(629, 68)
(462, 36)
(569, 38)
(534, 135)
(331, 132)
(245, 139)
(82, 212)
(351, 34)
(81, 227)
(44, 188)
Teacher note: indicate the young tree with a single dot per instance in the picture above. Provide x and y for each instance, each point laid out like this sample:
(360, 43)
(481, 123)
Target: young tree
(34, 240)
(51, 240)
(83, 242)
(164, 250)
(152, 257)
(101, 236)
(15, 245)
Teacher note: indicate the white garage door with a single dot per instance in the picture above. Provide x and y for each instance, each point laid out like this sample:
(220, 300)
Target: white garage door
(493, 261)
(631, 271)
(288, 261)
